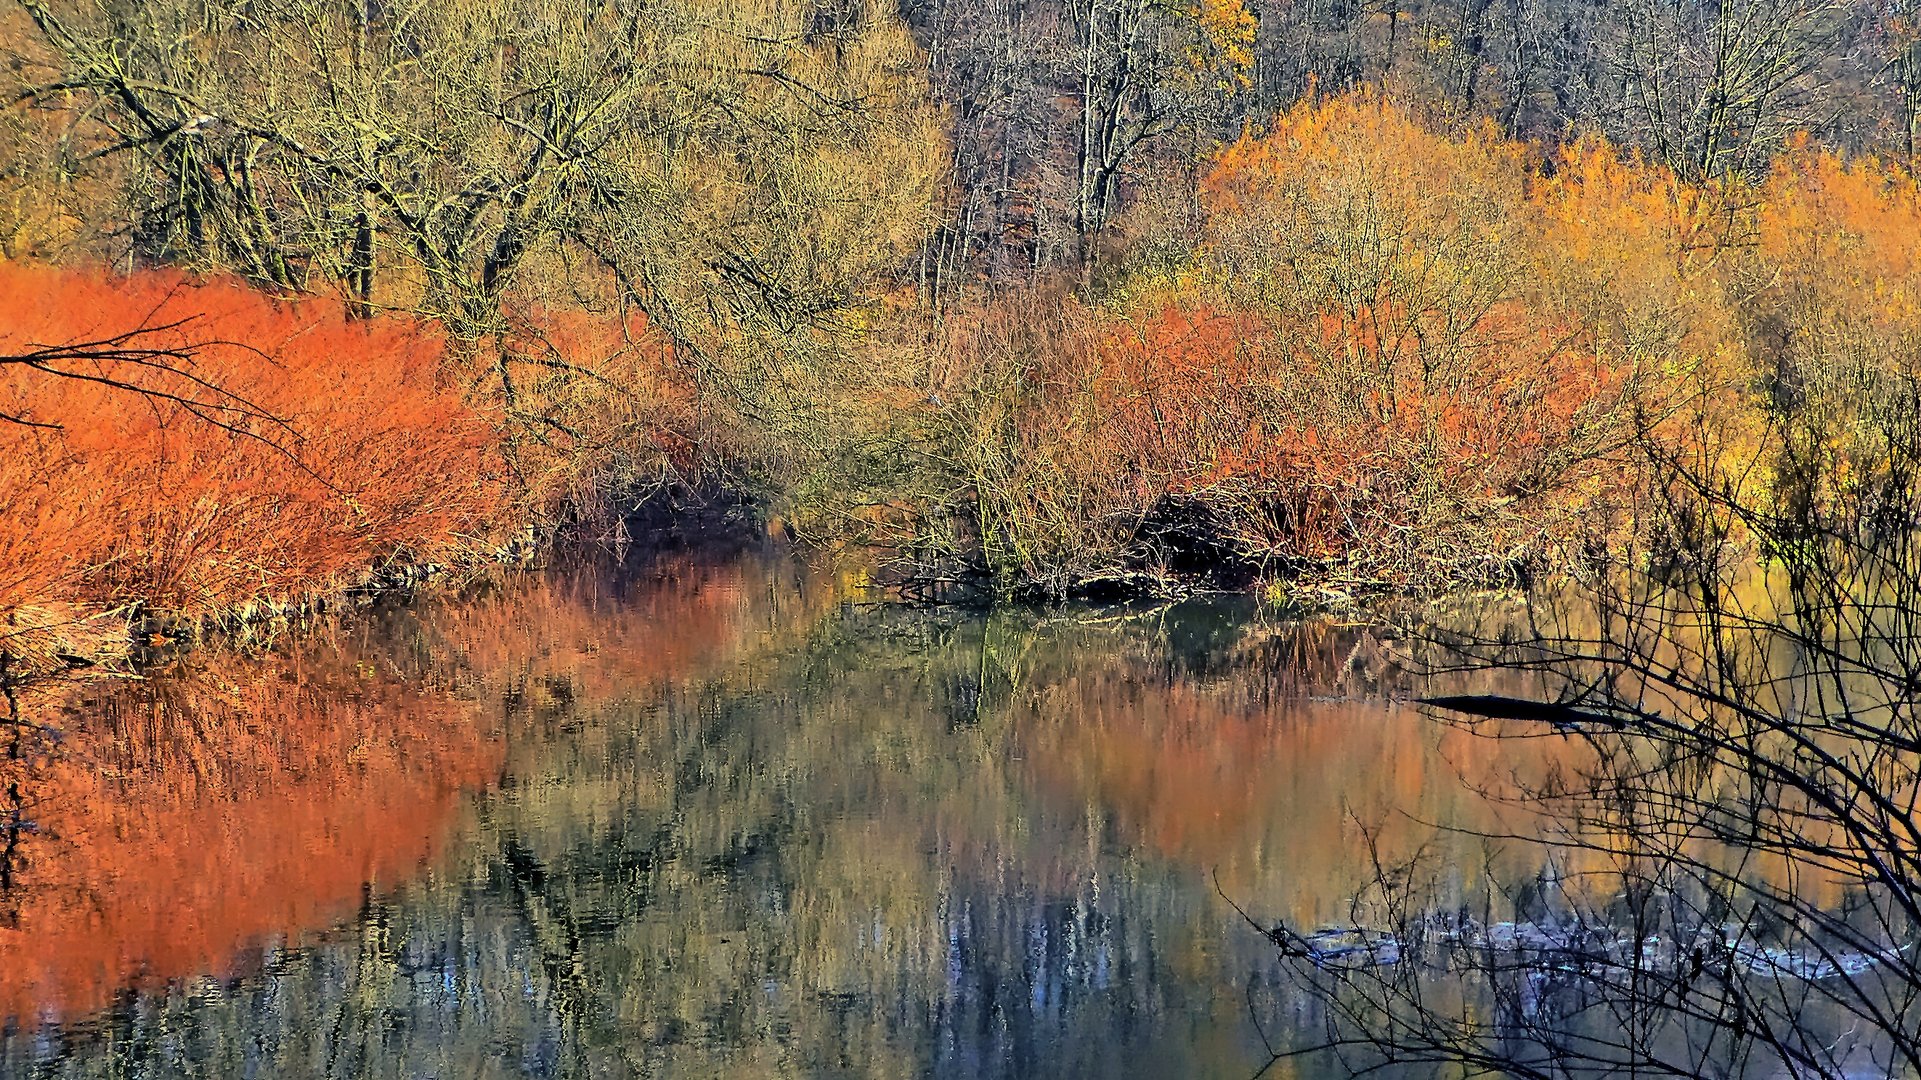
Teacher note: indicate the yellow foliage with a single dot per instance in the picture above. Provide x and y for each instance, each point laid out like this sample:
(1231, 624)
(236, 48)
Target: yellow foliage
(1227, 40)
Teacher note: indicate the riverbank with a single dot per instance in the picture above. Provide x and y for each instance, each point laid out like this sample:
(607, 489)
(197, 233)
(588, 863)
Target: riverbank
(1539, 347)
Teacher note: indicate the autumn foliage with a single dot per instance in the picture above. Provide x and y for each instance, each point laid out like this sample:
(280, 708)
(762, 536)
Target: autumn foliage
(283, 451)
(1398, 354)
(220, 454)
(1410, 355)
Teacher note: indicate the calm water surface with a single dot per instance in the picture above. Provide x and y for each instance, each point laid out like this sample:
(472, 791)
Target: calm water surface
(701, 813)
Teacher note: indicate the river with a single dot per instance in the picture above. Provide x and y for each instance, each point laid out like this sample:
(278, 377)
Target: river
(712, 810)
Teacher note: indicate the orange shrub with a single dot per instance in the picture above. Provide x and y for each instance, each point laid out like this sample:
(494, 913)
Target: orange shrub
(297, 449)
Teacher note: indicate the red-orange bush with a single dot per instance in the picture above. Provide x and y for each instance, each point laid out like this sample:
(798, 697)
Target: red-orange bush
(322, 447)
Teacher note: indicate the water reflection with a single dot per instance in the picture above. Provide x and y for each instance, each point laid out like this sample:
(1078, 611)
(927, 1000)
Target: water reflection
(163, 826)
(699, 814)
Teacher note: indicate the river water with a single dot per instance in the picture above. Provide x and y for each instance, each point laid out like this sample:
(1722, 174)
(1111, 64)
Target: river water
(705, 812)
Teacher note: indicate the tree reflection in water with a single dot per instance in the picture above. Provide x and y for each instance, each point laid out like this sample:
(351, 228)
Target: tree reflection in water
(700, 814)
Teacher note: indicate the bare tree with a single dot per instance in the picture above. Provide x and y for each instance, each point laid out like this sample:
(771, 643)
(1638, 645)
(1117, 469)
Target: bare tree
(1713, 88)
(152, 360)
(1060, 107)
(1893, 53)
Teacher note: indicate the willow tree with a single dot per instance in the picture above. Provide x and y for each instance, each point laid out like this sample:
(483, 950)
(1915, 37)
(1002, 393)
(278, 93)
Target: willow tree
(740, 174)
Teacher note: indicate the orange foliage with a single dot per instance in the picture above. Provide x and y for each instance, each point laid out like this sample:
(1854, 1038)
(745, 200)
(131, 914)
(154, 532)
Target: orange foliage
(1360, 376)
(1866, 205)
(1411, 356)
(1237, 410)
(346, 449)
(1842, 241)
(1415, 361)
